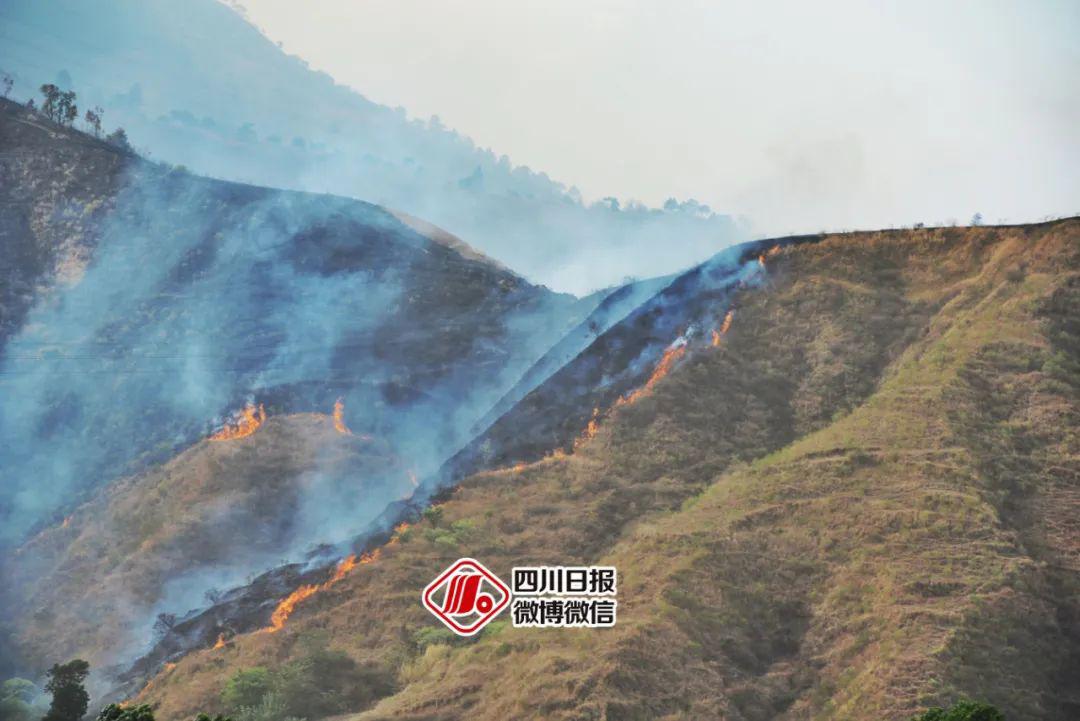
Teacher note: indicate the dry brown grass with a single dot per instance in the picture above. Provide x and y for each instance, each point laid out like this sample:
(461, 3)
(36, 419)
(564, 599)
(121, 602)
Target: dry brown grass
(108, 563)
(808, 521)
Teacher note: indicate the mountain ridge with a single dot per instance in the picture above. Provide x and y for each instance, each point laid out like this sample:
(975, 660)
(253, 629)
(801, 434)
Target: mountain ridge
(204, 88)
(815, 465)
(144, 309)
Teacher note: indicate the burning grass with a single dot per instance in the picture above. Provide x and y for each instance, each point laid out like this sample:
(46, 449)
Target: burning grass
(243, 424)
(339, 417)
(288, 604)
(808, 582)
(346, 565)
(671, 356)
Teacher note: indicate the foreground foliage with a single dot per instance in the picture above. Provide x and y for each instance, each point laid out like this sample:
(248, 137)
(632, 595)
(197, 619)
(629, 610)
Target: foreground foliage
(962, 711)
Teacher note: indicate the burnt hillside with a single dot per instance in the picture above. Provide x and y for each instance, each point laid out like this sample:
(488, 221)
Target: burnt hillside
(142, 308)
(857, 502)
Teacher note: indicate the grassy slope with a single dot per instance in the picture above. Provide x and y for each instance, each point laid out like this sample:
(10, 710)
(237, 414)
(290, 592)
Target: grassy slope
(70, 588)
(862, 503)
(108, 563)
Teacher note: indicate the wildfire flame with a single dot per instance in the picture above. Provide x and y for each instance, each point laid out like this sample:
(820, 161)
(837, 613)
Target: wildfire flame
(590, 430)
(396, 538)
(243, 425)
(286, 607)
(169, 666)
(339, 417)
(671, 356)
(66, 523)
(725, 326)
(768, 254)
(667, 362)
(220, 643)
(289, 603)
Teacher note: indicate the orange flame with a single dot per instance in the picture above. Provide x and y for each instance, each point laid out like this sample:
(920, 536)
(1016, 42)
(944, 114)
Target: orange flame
(220, 643)
(671, 356)
(169, 666)
(396, 538)
(667, 362)
(66, 523)
(725, 326)
(243, 425)
(286, 607)
(339, 417)
(768, 254)
(590, 430)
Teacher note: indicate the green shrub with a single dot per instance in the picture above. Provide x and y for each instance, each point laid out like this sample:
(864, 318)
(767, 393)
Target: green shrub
(329, 682)
(432, 636)
(453, 535)
(433, 515)
(15, 697)
(962, 711)
(116, 712)
(269, 708)
(246, 688)
(322, 683)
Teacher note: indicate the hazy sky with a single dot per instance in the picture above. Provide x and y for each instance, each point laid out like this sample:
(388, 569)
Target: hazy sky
(800, 115)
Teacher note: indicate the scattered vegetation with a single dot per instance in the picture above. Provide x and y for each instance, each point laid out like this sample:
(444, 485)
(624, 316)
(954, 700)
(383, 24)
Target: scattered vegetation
(962, 711)
(321, 683)
(144, 712)
(117, 712)
(59, 105)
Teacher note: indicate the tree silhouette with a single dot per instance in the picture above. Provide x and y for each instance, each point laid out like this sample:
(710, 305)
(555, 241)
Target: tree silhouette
(93, 119)
(52, 100)
(69, 111)
(118, 138)
(69, 698)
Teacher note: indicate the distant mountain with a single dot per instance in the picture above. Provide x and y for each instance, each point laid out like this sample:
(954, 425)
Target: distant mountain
(195, 84)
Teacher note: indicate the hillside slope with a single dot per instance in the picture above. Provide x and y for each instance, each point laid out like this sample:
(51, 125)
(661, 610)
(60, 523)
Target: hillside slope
(143, 308)
(861, 501)
(159, 539)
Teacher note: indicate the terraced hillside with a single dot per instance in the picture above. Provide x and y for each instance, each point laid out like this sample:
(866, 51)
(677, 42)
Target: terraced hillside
(860, 501)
